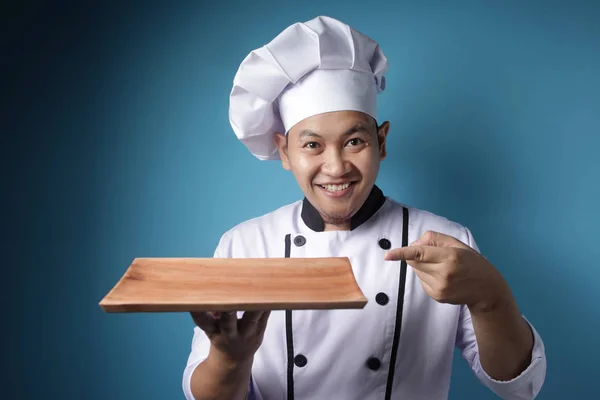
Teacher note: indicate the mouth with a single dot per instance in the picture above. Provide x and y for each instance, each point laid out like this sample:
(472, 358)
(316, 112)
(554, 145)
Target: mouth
(337, 190)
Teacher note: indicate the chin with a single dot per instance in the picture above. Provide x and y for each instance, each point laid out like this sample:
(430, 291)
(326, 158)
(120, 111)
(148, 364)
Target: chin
(338, 213)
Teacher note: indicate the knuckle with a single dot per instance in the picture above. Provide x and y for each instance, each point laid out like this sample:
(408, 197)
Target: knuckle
(454, 257)
(450, 274)
(419, 254)
(198, 318)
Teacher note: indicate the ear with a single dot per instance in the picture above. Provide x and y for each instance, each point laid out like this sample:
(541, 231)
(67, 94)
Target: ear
(282, 146)
(382, 132)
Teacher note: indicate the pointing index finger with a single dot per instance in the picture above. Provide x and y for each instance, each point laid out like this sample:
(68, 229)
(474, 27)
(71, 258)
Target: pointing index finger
(421, 254)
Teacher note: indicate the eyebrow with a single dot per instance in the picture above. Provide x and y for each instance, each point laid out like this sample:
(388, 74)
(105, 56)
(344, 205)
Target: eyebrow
(356, 128)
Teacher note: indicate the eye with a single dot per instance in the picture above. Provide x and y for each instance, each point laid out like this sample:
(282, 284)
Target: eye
(355, 142)
(311, 145)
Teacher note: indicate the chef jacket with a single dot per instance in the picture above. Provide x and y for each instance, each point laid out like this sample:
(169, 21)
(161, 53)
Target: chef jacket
(399, 346)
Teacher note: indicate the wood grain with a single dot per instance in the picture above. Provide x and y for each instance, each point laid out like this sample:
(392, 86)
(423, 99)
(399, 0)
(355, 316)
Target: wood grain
(234, 284)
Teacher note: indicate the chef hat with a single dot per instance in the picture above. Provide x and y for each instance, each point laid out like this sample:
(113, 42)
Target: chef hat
(319, 66)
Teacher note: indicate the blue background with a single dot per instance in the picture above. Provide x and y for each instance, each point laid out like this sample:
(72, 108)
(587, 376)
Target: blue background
(117, 145)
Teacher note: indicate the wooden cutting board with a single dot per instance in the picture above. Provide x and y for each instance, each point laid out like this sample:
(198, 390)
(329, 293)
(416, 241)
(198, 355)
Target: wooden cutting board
(234, 284)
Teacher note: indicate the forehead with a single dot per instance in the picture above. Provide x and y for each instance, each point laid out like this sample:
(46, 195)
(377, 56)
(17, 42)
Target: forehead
(333, 123)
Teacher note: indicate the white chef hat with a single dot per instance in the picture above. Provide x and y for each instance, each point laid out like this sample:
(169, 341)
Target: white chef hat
(319, 66)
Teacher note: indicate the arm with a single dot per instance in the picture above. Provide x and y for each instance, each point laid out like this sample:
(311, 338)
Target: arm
(220, 363)
(504, 350)
(521, 385)
(218, 377)
(223, 348)
(505, 353)
(504, 338)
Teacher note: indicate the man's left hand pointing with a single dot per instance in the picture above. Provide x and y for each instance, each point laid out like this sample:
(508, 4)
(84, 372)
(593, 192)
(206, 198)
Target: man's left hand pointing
(452, 272)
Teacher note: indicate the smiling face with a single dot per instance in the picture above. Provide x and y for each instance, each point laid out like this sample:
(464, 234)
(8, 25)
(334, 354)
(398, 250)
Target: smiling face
(335, 159)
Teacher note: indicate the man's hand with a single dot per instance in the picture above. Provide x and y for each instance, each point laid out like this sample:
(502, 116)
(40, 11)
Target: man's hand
(225, 374)
(231, 339)
(452, 272)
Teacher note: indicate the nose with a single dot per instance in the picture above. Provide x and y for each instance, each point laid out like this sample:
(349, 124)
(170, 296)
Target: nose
(334, 163)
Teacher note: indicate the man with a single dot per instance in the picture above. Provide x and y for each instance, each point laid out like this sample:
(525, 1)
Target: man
(308, 98)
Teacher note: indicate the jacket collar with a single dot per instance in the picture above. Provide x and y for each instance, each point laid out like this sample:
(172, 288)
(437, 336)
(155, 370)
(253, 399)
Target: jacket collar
(313, 220)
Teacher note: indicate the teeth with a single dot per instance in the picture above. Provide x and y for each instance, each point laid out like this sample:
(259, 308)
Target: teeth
(336, 188)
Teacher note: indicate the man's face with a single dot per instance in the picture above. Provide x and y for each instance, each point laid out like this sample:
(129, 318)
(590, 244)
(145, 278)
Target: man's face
(335, 158)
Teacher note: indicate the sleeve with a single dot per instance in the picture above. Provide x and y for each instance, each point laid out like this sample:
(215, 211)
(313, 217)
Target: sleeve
(201, 345)
(199, 352)
(528, 384)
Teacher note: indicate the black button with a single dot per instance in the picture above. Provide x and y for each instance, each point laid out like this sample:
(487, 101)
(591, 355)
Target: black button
(373, 363)
(385, 244)
(299, 241)
(382, 299)
(300, 360)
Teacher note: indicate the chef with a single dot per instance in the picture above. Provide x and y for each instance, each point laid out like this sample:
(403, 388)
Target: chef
(309, 99)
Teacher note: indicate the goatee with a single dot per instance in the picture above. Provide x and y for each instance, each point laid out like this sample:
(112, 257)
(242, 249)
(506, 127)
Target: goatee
(340, 219)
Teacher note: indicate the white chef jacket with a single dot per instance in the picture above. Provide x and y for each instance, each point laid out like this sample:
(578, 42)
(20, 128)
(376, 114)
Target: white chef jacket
(400, 346)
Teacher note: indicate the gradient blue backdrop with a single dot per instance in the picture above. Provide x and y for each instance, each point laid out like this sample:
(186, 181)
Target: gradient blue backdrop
(119, 146)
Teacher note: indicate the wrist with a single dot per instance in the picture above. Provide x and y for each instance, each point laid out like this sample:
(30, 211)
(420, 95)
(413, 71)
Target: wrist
(225, 362)
(500, 300)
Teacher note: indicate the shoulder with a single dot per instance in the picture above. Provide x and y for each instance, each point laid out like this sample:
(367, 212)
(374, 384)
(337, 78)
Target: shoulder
(267, 220)
(421, 221)
(264, 226)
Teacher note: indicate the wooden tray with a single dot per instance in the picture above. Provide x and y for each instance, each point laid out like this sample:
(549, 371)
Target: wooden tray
(234, 284)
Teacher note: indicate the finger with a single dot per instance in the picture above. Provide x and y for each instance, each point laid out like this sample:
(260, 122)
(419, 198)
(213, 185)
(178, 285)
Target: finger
(420, 254)
(425, 277)
(427, 287)
(249, 321)
(205, 321)
(228, 323)
(262, 322)
(252, 316)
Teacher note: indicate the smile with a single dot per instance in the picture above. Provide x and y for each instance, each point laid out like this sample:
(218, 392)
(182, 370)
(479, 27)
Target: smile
(336, 188)
(341, 190)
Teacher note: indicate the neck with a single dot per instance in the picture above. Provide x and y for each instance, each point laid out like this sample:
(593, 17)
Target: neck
(314, 221)
(331, 227)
